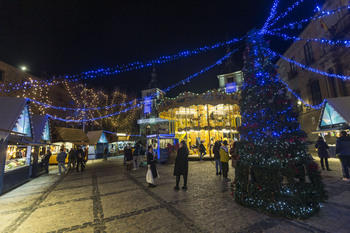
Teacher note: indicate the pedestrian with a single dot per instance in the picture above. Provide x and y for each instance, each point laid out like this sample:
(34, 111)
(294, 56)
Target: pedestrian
(79, 155)
(343, 149)
(105, 153)
(181, 165)
(152, 164)
(216, 151)
(136, 156)
(322, 150)
(46, 160)
(202, 150)
(61, 160)
(71, 159)
(233, 153)
(224, 158)
(128, 157)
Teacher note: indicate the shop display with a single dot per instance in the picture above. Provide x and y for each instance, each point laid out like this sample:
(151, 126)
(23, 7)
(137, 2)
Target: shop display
(15, 157)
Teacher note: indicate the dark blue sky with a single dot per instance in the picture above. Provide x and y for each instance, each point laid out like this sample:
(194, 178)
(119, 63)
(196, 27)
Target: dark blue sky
(71, 36)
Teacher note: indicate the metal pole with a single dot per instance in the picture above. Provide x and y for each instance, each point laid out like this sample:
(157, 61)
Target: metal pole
(84, 107)
(208, 118)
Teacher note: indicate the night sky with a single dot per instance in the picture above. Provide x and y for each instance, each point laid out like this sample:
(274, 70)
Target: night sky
(71, 36)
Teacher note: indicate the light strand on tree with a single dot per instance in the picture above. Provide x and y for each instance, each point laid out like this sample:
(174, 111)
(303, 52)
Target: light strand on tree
(284, 14)
(273, 13)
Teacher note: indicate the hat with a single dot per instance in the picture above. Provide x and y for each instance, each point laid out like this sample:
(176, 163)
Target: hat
(225, 143)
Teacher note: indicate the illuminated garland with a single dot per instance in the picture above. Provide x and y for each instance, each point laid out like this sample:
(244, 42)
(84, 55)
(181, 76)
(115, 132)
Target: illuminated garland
(299, 23)
(281, 16)
(272, 15)
(188, 79)
(275, 54)
(116, 70)
(295, 38)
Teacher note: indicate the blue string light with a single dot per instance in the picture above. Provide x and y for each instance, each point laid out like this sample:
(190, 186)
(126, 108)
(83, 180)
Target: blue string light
(116, 70)
(289, 9)
(323, 41)
(299, 23)
(273, 13)
(318, 106)
(275, 54)
(184, 81)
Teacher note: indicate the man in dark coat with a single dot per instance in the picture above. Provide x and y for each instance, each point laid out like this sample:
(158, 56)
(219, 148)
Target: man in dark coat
(46, 161)
(152, 163)
(128, 157)
(322, 150)
(181, 165)
(202, 150)
(343, 149)
(79, 155)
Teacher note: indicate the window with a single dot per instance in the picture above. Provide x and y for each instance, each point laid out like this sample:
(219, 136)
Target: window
(230, 80)
(2, 75)
(309, 56)
(293, 70)
(315, 92)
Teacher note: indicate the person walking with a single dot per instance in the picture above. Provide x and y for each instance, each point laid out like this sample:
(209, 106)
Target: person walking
(224, 158)
(322, 150)
(128, 157)
(202, 150)
(46, 160)
(181, 165)
(79, 155)
(71, 159)
(152, 164)
(343, 149)
(61, 160)
(136, 156)
(105, 153)
(216, 151)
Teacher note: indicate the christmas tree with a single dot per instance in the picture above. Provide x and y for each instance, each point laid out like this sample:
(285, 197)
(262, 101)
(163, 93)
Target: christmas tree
(275, 173)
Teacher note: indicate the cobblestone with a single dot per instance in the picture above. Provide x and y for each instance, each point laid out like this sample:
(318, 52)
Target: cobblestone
(107, 198)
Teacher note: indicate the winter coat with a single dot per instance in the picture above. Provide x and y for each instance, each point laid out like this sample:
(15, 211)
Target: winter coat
(322, 149)
(61, 157)
(137, 150)
(71, 156)
(216, 151)
(128, 154)
(152, 160)
(46, 158)
(202, 148)
(343, 146)
(82, 154)
(224, 154)
(181, 162)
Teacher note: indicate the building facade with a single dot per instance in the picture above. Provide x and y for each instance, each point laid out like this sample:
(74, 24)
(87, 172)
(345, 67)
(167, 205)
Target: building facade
(312, 87)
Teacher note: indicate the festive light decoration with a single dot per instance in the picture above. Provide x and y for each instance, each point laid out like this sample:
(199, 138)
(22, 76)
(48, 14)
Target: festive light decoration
(272, 143)
(295, 38)
(297, 24)
(272, 15)
(284, 14)
(275, 54)
(113, 71)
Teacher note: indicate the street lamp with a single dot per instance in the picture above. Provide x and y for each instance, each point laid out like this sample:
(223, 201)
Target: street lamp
(23, 68)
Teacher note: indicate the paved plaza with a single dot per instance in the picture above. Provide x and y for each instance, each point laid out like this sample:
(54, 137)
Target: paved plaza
(107, 198)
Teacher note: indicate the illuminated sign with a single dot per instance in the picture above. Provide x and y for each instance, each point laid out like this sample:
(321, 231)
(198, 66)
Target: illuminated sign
(147, 108)
(231, 87)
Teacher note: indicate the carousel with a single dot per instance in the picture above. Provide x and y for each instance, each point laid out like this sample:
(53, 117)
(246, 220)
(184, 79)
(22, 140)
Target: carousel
(203, 118)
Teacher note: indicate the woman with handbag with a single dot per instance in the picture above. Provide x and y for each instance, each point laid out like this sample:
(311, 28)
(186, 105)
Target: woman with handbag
(152, 167)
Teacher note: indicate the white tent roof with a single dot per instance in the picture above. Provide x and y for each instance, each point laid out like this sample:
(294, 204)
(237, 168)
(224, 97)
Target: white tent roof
(10, 110)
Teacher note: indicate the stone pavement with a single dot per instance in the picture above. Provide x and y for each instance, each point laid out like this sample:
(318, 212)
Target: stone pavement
(107, 198)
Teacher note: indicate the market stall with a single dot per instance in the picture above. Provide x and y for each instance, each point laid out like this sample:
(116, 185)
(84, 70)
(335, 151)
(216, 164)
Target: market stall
(335, 117)
(16, 159)
(67, 138)
(97, 143)
(160, 145)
